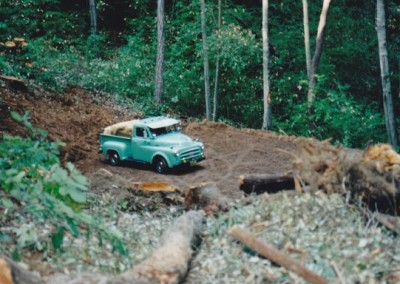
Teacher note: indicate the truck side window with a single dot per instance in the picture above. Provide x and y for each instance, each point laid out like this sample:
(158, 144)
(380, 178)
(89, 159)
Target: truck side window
(140, 132)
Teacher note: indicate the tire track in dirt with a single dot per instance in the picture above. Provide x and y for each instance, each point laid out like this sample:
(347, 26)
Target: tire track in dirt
(240, 155)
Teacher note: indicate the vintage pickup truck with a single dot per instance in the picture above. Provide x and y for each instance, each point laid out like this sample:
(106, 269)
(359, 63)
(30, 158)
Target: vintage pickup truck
(157, 141)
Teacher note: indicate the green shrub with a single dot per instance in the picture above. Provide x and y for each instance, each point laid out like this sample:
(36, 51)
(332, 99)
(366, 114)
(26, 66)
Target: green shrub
(41, 200)
(339, 117)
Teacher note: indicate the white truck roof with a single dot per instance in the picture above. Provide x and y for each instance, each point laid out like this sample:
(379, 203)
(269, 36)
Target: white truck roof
(159, 121)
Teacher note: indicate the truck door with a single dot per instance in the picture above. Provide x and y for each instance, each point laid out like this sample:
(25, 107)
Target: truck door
(141, 144)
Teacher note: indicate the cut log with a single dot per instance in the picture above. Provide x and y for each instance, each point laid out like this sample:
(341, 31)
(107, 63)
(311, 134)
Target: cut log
(270, 183)
(11, 79)
(15, 83)
(12, 273)
(156, 186)
(275, 255)
(10, 44)
(123, 128)
(169, 263)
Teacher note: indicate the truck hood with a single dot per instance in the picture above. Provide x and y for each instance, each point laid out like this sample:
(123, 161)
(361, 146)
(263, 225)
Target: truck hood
(174, 139)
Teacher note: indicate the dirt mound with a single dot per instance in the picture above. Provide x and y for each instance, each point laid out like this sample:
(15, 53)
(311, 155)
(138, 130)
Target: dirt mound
(76, 117)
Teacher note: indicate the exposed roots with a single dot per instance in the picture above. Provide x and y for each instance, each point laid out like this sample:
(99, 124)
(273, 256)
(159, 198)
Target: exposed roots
(372, 175)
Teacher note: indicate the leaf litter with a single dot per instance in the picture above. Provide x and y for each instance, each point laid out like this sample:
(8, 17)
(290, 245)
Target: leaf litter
(318, 230)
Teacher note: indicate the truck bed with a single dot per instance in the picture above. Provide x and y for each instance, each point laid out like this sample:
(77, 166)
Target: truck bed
(111, 139)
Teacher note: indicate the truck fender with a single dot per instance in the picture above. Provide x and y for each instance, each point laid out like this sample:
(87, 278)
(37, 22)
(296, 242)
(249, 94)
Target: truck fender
(120, 148)
(159, 154)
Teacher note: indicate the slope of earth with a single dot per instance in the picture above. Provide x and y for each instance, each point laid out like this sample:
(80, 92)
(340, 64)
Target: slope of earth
(76, 117)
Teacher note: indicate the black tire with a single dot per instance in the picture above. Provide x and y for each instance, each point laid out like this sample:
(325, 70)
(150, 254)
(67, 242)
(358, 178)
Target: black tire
(160, 165)
(113, 158)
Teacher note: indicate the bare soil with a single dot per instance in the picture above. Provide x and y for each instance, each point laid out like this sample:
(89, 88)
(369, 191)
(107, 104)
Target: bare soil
(76, 117)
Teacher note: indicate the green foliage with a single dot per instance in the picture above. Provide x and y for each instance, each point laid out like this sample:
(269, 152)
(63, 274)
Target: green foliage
(5, 66)
(36, 191)
(336, 116)
(39, 18)
(120, 59)
(239, 85)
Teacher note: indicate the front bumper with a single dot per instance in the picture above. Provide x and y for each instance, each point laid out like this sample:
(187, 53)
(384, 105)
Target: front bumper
(193, 161)
(188, 161)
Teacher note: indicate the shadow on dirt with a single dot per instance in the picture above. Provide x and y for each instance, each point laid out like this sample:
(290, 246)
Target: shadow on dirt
(179, 171)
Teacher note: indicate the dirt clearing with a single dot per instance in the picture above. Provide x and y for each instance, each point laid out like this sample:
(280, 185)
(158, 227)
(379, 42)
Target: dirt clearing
(76, 117)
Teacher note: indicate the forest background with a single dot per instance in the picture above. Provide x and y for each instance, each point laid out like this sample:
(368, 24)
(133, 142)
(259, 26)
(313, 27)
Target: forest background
(60, 49)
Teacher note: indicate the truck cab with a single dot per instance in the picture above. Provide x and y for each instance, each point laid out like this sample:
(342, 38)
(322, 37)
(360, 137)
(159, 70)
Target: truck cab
(157, 141)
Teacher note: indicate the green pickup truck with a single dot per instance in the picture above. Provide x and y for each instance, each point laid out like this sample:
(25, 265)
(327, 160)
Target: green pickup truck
(157, 141)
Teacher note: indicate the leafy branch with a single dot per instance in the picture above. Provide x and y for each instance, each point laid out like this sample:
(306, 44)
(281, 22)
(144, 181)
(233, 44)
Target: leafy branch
(36, 189)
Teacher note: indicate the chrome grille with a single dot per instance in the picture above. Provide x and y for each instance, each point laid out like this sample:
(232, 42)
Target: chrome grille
(191, 154)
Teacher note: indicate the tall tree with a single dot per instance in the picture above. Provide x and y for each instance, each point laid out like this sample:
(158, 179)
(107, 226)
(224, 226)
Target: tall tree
(317, 53)
(206, 64)
(93, 16)
(159, 81)
(93, 26)
(306, 36)
(385, 75)
(267, 117)
(215, 101)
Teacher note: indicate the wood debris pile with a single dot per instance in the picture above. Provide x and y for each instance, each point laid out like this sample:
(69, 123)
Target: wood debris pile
(372, 175)
(206, 196)
(123, 128)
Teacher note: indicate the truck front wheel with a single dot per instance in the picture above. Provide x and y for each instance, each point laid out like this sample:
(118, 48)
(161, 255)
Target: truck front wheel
(113, 158)
(160, 165)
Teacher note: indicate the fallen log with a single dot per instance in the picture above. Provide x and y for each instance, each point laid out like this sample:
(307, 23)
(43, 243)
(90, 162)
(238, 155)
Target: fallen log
(155, 186)
(275, 255)
(12, 273)
(14, 82)
(11, 79)
(168, 263)
(270, 183)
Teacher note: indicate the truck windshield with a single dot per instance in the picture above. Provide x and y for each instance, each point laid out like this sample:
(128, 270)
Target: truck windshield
(165, 130)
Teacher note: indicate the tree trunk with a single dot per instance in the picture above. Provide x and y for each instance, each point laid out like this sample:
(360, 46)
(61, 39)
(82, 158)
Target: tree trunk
(93, 16)
(159, 82)
(206, 65)
(215, 102)
(317, 53)
(385, 75)
(267, 96)
(306, 36)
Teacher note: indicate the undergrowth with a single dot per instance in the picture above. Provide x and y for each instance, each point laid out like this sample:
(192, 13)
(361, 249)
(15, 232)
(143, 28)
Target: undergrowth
(128, 74)
(41, 202)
